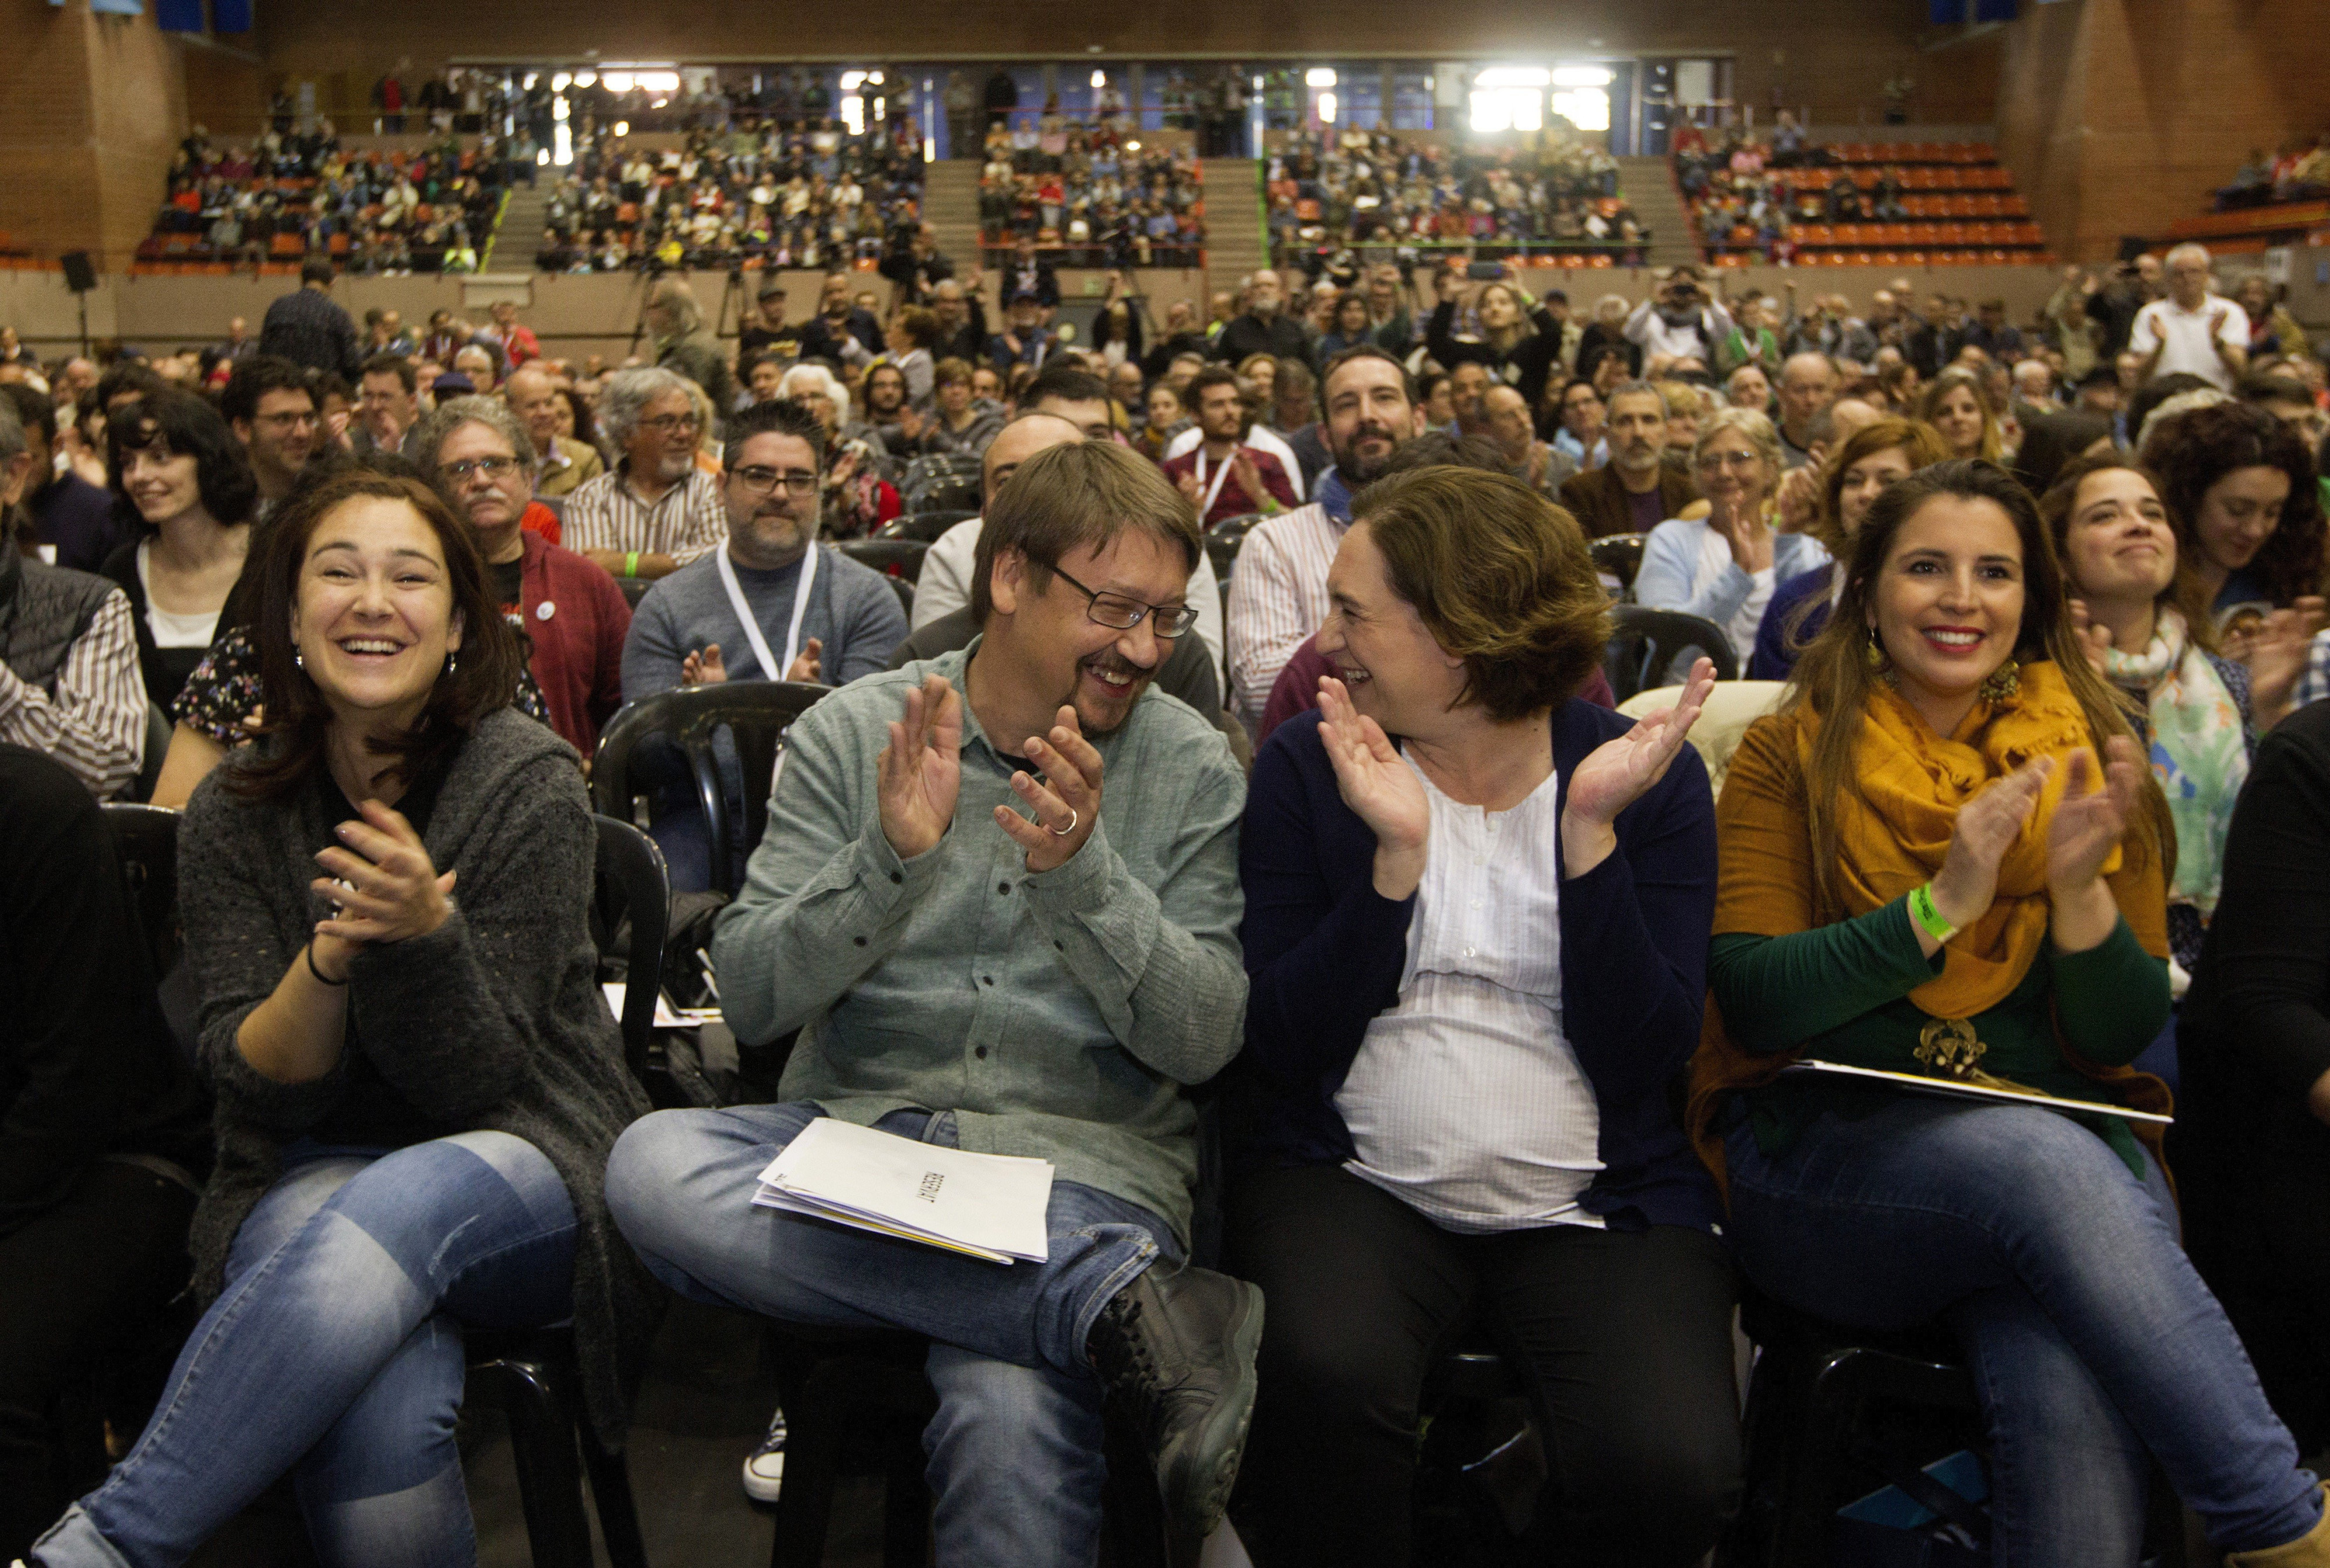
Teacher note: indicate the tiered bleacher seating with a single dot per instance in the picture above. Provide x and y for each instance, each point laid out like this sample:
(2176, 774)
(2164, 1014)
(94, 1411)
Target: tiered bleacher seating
(1956, 206)
(2251, 229)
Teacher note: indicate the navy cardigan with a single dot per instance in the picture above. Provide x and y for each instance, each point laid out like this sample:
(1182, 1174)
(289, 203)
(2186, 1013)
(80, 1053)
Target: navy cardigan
(1324, 952)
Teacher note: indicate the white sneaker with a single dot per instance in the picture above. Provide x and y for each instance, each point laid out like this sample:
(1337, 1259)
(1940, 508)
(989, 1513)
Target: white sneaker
(764, 1467)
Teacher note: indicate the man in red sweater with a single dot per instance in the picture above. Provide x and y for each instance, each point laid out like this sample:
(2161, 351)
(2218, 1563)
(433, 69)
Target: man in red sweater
(572, 613)
(1221, 475)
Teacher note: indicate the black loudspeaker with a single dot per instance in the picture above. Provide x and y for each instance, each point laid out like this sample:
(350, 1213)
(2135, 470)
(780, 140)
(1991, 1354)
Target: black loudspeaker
(80, 276)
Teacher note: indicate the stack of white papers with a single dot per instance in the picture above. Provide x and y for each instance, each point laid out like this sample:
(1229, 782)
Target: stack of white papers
(988, 1206)
(667, 1016)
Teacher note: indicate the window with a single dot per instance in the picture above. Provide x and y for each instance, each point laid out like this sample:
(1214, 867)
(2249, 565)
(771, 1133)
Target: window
(1509, 98)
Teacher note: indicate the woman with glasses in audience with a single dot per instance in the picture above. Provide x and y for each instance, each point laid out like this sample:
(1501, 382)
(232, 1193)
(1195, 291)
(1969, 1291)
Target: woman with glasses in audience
(172, 458)
(1956, 406)
(2240, 486)
(960, 423)
(418, 1081)
(1871, 458)
(1724, 566)
(1944, 858)
(1475, 922)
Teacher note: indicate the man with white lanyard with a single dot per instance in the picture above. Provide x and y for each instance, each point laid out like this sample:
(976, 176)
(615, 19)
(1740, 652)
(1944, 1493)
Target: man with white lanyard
(1221, 475)
(713, 619)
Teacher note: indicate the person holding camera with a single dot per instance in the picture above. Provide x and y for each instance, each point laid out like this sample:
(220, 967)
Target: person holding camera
(1680, 321)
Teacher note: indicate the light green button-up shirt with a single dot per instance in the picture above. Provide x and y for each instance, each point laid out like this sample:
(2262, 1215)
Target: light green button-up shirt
(1056, 1014)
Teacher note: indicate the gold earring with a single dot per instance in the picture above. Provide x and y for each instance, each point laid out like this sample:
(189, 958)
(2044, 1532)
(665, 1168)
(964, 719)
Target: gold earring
(1874, 654)
(2004, 682)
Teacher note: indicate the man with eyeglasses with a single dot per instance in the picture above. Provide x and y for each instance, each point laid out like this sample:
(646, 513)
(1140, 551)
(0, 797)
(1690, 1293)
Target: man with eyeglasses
(998, 898)
(272, 411)
(656, 511)
(482, 458)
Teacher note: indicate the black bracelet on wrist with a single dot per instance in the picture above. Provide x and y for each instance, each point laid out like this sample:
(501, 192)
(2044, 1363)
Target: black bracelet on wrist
(310, 950)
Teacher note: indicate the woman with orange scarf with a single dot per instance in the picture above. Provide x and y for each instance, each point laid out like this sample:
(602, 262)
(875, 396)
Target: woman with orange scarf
(1944, 857)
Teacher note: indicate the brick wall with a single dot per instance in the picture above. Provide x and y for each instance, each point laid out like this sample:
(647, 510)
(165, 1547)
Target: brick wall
(2120, 117)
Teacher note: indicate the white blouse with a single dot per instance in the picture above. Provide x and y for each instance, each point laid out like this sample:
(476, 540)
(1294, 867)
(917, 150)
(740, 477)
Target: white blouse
(170, 628)
(1465, 1101)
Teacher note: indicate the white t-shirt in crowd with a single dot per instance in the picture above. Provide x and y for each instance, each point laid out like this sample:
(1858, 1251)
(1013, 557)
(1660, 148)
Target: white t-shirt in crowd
(1256, 436)
(2181, 337)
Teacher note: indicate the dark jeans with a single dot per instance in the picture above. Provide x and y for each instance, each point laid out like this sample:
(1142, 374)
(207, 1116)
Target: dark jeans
(75, 1285)
(1623, 1340)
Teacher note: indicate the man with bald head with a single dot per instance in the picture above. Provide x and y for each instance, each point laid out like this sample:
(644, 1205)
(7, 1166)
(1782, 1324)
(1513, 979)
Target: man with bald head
(962, 319)
(1265, 328)
(1808, 386)
(945, 585)
(532, 396)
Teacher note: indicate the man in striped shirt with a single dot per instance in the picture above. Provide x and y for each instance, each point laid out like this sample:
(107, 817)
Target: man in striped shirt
(1278, 585)
(656, 511)
(69, 680)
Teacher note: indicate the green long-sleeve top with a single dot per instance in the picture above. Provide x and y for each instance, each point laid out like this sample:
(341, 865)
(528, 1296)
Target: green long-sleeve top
(1841, 992)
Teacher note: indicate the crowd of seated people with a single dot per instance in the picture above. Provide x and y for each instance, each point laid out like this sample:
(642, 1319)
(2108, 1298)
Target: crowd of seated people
(2300, 172)
(1328, 191)
(2033, 717)
(289, 196)
(814, 197)
(1089, 196)
(1787, 198)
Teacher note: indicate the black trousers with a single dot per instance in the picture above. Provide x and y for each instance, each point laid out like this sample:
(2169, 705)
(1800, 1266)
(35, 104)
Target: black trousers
(1623, 1340)
(77, 1284)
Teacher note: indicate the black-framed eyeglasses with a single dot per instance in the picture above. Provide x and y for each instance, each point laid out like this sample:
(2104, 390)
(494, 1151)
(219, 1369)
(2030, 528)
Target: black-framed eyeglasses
(763, 481)
(1118, 613)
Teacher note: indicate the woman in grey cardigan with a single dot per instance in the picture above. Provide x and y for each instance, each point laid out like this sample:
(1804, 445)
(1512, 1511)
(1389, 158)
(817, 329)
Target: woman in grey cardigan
(418, 1081)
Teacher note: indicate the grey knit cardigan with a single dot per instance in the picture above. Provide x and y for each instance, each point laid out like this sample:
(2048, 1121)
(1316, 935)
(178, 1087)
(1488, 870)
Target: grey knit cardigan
(494, 1020)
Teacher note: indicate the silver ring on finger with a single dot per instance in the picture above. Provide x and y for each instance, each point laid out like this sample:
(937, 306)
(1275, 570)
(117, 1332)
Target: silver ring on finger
(1074, 817)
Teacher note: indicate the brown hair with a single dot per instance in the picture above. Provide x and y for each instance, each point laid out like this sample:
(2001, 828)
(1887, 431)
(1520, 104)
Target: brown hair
(484, 676)
(1499, 575)
(2183, 590)
(1922, 443)
(2192, 451)
(1078, 496)
(950, 370)
(1833, 677)
(921, 324)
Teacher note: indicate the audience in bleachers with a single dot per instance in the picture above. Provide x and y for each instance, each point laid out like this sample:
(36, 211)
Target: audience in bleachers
(726, 488)
(1884, 203)
(1091, 200)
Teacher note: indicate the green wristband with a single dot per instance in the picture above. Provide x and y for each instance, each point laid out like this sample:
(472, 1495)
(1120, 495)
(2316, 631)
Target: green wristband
(1922, 910)
(631, 564)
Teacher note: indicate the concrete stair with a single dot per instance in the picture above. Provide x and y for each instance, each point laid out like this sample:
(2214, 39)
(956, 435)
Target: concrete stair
(520, 225)
(1649, 186)
(1235, 242)
(950, 207)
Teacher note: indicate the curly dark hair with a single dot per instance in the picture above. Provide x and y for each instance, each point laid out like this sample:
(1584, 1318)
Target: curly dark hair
(2194, 451)
(484, 676)
(1499, 575)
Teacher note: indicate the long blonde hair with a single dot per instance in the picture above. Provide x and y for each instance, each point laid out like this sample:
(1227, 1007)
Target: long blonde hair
(1930, 404)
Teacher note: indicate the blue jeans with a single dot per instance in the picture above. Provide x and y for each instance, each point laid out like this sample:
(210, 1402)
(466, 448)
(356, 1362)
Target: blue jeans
(1015, 1450)
(2088, 1335)
(335, 1353)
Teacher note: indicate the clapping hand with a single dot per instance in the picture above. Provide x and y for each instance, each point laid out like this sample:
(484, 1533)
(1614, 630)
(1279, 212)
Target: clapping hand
(920, 771)
(1619, 772)
(2276, 656)
(383, 884)
(811, 663)
(1380, 786)
(2094, 638)
(1065, 804)
(2092, 817)
(703, 667)
(1986, 827)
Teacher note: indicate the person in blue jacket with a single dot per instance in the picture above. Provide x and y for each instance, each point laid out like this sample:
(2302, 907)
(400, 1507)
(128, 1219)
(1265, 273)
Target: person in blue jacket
(1477, 955)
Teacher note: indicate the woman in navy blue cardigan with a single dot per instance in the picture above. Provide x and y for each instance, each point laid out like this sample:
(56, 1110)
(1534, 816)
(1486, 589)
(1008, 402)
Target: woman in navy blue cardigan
(1478, 957)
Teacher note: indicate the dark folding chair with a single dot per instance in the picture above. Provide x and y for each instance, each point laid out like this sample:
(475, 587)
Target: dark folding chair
(146, 839)
(1646, 643)
(1234, 530)
(928, 526)
(533, 1374)
(1620, 556)
(892, 557)
(635, 589)
(755, 713)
